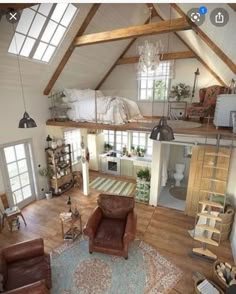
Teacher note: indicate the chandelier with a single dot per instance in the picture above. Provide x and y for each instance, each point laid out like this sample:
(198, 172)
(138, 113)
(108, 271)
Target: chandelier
(150, 56)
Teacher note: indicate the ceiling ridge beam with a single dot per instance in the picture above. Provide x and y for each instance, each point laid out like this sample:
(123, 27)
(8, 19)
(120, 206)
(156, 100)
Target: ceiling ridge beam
(70, 49)
(165, 56)
(207, 40)
(212, 72)
(178, 24)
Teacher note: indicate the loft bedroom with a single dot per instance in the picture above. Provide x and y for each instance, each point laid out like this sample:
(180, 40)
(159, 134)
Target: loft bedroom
(81, 107)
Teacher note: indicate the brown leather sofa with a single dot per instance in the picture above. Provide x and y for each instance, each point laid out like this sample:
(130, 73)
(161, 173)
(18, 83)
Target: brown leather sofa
(112, 225)
(25, 268)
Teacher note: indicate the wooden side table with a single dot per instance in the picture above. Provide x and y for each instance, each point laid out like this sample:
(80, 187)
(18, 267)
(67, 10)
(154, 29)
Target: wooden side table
(72, 228)
(177, 106)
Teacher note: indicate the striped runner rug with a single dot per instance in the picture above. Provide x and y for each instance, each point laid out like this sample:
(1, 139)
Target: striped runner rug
(112, 186)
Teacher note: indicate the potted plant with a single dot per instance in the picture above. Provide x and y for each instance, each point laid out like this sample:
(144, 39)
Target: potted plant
(143, 184)
(180, 91)
(47, 172)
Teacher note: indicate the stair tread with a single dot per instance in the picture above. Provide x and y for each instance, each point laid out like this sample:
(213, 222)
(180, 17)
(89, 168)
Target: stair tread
(217, 154)
(212, 192)
(215, 180)
(211, 203)
(208, 228)
(206, 240)
(216, 167)
(208, 215)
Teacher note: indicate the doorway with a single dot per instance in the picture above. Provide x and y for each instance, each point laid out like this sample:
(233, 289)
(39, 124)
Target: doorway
(18, 173)
(176, 159)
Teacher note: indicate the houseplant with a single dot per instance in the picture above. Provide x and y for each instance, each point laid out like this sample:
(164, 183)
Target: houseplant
(143, 184)
(47, 172)
(180, 91)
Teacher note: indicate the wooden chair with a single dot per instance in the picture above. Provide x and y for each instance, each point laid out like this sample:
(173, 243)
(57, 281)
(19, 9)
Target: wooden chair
(9, 213)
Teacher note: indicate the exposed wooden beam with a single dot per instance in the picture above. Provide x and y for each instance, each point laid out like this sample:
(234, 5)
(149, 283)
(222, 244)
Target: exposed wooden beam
(207, 40)
(213, 73)
(122, 55)
(178, 24)
(70, 50)
(166, 56)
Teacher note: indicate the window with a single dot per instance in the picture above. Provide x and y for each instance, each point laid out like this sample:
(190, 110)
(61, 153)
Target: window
(73, 138)
(109, 137)
(139, 140)
(41, 29)
(121, 140)
(117, 139)
(154, 86)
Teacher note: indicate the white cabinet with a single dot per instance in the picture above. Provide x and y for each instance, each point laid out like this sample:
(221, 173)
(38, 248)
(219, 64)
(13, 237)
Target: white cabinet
(126, 167)
(96, 147)
(224, 105)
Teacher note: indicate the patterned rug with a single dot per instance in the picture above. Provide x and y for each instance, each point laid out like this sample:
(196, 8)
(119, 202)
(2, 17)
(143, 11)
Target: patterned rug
(75, 271)
(112, 186)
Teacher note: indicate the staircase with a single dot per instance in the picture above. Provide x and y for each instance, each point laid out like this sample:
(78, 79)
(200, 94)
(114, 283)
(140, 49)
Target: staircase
(212, 196)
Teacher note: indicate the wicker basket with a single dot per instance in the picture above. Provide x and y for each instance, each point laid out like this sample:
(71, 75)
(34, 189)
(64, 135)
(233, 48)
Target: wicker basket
(199, 281)
(216, 278)
(226, 224)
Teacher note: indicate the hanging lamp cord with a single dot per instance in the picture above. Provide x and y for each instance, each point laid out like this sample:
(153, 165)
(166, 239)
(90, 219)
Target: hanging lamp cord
(19, 67)
(168, 47)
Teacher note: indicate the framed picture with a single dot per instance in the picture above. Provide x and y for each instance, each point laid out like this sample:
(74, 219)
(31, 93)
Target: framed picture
(232, 121)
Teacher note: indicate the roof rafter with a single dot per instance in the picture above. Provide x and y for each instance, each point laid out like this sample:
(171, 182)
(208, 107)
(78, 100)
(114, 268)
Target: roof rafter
(213, 73)
(178, 24)
(207, 40)
(70, 49)
(122, 55)
(166, 56)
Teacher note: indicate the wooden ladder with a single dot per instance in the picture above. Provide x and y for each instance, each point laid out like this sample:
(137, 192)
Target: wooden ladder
(213, 182)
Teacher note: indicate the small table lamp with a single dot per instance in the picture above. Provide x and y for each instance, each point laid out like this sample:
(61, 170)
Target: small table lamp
(68, 202)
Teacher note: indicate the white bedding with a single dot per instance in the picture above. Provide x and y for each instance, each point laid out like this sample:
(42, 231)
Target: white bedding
(110, 109)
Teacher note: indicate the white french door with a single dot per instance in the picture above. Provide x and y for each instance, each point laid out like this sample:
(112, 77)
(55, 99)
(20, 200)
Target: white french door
(18, 173)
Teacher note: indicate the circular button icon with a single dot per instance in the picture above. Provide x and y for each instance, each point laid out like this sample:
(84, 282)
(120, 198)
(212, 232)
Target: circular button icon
(202, 10)
(196, 17)
(13, 16)
(219, 17)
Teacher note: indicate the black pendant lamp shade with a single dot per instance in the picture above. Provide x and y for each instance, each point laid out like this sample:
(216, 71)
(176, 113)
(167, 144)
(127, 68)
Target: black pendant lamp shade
(162, 132)
(27, 122)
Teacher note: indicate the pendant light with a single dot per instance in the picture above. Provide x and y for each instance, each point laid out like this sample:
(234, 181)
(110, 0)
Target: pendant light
(26, 121)
(163, 132)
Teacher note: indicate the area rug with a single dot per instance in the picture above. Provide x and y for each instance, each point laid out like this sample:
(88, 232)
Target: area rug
(75, 271)
(178, 192)
(112, 186)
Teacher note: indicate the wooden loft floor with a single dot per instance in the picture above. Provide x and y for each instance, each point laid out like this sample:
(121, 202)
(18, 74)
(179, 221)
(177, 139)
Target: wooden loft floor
(204, 130)
(163, 228)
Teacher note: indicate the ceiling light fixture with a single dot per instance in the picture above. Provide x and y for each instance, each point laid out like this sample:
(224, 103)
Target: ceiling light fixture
(150, 55)
(163, 132)
(26, 121)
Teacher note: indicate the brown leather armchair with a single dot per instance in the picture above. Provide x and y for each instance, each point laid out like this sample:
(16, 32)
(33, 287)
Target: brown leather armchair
(25, 268)
(112, 225)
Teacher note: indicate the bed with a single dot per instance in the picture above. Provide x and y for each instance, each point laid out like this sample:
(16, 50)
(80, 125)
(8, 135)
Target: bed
(110, 109)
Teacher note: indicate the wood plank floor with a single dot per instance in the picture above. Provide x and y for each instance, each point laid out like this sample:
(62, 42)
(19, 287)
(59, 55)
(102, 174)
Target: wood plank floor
(163, 228)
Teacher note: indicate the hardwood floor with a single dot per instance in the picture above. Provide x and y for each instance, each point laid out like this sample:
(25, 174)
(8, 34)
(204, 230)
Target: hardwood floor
(163, 228)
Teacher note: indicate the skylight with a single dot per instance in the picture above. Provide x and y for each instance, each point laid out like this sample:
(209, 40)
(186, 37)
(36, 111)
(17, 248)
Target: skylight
(41, 29)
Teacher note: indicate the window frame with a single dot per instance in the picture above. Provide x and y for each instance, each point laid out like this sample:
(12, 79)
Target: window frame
(148, 79)
(38, 40)
(75, 153)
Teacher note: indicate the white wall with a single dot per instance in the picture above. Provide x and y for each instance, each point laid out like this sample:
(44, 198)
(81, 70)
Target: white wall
(122, 82)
